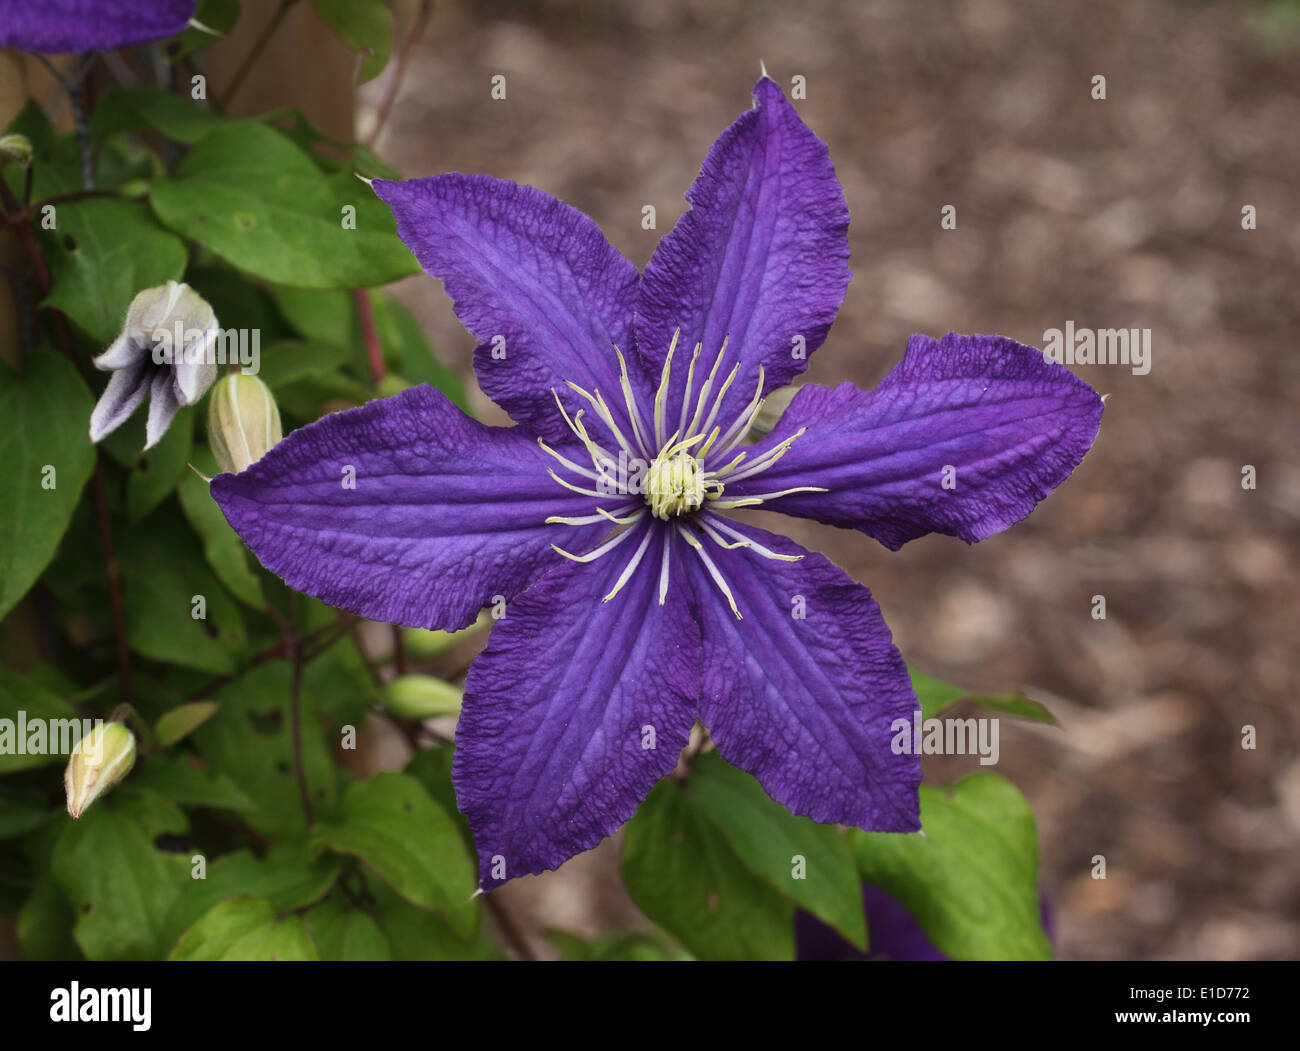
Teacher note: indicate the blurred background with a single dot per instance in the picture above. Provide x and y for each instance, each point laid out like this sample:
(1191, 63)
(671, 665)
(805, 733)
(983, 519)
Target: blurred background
(1117, 213)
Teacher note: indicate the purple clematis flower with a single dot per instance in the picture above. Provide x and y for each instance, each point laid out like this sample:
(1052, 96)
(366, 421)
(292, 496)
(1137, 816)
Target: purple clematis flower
(637, 604)
(53, 27)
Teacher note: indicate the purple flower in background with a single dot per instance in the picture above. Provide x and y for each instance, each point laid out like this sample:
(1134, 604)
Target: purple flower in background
(54, 27)
(892, 932)
(637, 604)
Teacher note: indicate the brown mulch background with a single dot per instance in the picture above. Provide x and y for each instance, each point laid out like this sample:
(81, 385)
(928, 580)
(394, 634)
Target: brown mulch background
(1116, 213)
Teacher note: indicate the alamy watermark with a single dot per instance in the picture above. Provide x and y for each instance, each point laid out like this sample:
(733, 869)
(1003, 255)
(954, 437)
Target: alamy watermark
(39, 736)
(213, 346)
(1102, 346)
(933, 736)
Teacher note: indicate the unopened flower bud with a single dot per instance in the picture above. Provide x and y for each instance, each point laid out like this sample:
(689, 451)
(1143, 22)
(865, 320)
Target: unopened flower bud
(15, 149)
(165, 351)
(421, 697)
(99, 761)
(243, 422)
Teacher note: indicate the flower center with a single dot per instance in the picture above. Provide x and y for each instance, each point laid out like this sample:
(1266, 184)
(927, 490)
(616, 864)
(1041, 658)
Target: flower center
(674, 485)
(692, 458)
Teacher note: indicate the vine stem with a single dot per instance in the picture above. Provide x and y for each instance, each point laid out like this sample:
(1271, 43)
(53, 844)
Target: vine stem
(327, 636)
(254, 54)
(509, 931)
(366, 320)
(399, 73)
(293, 651)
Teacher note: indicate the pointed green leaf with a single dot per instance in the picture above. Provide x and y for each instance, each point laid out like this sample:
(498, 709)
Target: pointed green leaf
(805, 861)
(47, 456)
(182, 720)
(685, 876)
(245, 929)
(120, 885)
(971, 881)
(342, 933)
(392, 824)
(103, 251)
(253, 197)
(288, 877)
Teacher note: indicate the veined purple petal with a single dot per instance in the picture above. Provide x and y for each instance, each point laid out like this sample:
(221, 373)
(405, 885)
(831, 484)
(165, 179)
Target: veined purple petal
(533, 279)
(575, 709)
(125, 391)
(802, 691)
(761, 257)
(963, 437)
(54, 27)
(404, 510)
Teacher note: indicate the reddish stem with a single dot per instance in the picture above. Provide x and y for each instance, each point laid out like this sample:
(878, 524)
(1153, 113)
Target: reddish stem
(366, 319)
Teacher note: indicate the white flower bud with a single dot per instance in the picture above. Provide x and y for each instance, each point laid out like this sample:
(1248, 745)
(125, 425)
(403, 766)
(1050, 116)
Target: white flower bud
(99, 761)
(243, 422)
(15, 149)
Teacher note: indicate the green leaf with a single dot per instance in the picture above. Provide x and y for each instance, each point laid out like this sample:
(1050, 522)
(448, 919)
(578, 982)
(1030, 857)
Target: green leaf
(21, 810)
(971, 881)
(417, 934)
(182, 720)
(331, 154)
(331, 317)
(392, 824)
(685, 876)
(935, 696)
(251, 741)
(120, 885)
(157, 471)
(43, 709)
(365, 26)
(46, 417)
(163, 571)
(188, 781)
(223, 549)
(103, 252)
(176, 116)
(288, 877)
(253, 197)
(56, 165)
(217, 15)
(432, 768)
(341, 933)
(245, 929)
(768, 837)
(288, 360)
(45, 925)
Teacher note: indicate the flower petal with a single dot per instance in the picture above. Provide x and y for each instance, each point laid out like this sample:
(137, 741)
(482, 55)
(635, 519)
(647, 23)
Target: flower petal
(761, 257)
(528, 269)
(125, 391)
(55, 27)
(404, 510)
(574, 710)
(963, 437)
(163, 406)
(802, 691)
(125, 351)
